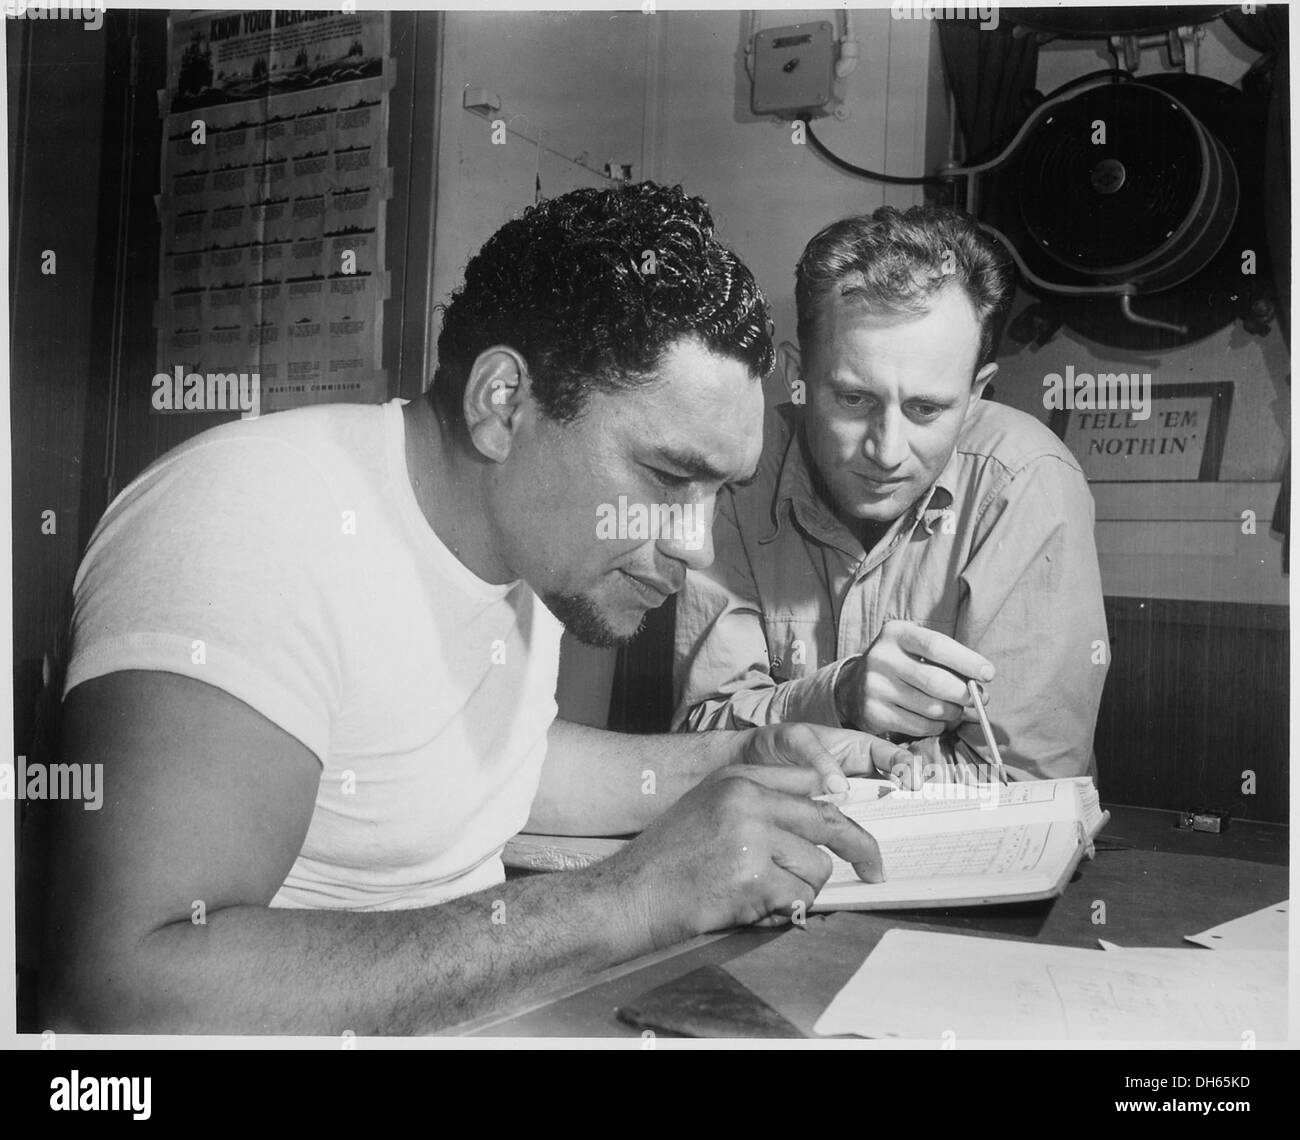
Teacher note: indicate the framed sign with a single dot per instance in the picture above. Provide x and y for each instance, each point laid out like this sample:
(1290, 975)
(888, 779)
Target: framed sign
(1176, 435)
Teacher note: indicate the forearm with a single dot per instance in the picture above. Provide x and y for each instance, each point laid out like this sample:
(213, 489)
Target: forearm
(758, 700)
(252, 969)
(596, 782)
(746, 708)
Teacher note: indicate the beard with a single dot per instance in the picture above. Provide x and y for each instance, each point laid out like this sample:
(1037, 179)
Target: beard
(581, 617)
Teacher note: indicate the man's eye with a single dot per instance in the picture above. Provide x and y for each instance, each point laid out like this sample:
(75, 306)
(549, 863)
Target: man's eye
(670, 481)
(926, 411)
(851, 399)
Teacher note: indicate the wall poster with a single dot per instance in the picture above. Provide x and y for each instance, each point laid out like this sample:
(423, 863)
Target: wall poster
(275, 177)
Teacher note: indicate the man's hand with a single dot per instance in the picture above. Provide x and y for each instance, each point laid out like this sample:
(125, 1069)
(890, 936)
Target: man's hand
(742, 846)
(912, 681)
(943, 760)
(833, 753)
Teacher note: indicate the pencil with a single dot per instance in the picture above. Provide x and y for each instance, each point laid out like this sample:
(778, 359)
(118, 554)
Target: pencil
(973, 687)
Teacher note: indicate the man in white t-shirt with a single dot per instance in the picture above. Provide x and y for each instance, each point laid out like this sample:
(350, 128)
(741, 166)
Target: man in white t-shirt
(316, 656)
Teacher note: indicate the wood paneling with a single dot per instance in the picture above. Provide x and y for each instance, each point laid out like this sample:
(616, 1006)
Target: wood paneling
(1196, 695)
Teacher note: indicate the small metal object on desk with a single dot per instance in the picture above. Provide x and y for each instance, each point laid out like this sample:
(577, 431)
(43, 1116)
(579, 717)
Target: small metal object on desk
(1214, 822)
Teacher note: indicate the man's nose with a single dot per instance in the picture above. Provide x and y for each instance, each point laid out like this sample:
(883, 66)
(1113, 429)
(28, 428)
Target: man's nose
(691, 542)
(886, 445)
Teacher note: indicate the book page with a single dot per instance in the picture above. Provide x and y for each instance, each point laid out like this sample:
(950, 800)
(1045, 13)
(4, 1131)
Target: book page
(956, 807)
(962, 868)
(950, 844)
(988, 851)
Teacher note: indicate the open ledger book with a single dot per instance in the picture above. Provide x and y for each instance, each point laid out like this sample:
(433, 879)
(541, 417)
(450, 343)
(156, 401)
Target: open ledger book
(952, 845)
(946, 845)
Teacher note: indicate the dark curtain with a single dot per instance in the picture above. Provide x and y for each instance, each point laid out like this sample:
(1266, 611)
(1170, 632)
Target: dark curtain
(1267, 32)
(991, 75)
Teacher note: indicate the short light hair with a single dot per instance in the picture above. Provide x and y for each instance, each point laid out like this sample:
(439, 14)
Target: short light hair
(896, 261)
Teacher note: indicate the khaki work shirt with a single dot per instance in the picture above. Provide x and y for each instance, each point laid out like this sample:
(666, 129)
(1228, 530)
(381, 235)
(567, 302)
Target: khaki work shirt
(998, 554)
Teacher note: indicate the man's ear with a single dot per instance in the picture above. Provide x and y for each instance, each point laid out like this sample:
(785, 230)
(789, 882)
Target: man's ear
(982, 377)
(494, 399)
(791, 369)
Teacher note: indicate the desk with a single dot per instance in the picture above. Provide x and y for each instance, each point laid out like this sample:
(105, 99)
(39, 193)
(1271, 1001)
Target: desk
(1160, 885)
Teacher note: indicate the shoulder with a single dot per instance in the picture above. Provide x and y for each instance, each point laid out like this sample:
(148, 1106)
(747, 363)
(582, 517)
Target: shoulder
(755, 502)
(268, 491)
(327, 432)
(271, 458)
(1013, 441)
(1013, 467)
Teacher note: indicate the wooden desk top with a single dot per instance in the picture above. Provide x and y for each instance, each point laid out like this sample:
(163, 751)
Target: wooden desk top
(1154, 883)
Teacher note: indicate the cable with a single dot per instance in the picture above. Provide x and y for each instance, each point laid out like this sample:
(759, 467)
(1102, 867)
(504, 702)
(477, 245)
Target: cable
(875, 176)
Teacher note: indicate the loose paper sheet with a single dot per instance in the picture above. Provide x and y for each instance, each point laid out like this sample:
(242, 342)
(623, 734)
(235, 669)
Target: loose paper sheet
(1264, 929)
(921, 986)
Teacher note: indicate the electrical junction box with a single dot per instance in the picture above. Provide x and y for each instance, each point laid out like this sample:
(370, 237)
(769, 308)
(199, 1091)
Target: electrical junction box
(794, 68)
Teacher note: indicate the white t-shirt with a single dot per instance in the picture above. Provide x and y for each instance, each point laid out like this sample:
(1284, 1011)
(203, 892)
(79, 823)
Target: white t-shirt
(285, 560)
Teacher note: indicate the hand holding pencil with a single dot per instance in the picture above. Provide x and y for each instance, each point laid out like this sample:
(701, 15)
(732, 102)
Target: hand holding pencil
(910, 683)
(915, 682)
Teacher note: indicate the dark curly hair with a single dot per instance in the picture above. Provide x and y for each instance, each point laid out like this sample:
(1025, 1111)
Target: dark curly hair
(896, 260)
(592, 288)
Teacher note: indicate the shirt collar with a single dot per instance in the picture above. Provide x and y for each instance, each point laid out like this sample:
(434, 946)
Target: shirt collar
(797, 495)
(938, 500)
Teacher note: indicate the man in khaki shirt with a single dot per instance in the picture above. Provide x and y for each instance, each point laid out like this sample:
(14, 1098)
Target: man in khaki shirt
(902, 535)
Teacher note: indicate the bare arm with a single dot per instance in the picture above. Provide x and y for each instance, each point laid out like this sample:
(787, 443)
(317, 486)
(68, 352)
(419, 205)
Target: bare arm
(611, 783)
(596, 782)
(206, 801)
